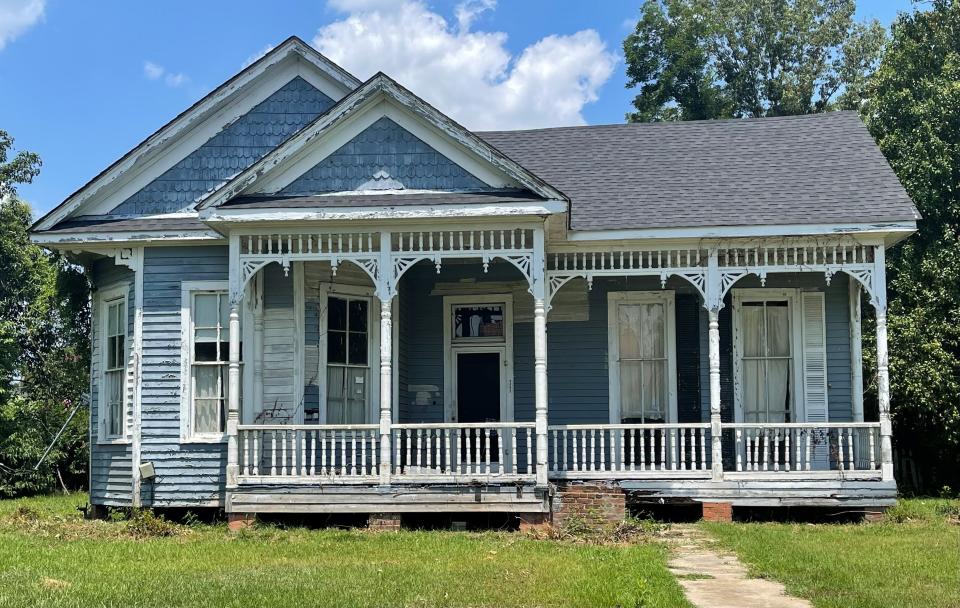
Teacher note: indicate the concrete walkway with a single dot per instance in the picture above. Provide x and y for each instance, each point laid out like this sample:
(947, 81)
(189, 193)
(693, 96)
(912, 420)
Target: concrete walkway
(714, 579)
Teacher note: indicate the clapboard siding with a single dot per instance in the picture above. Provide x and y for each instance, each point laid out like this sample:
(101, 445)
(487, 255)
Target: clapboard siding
(187, 473)
(111, 481)
(838, 342)
(279, 395)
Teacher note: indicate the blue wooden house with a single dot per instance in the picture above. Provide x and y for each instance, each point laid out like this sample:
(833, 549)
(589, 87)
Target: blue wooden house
(319, 295)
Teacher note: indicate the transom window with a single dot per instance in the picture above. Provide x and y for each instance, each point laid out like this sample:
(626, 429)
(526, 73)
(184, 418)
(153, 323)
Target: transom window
(348, 366)
(766, 360)
(478, 322)
(209, 360)
(114, 365)
(642, 364)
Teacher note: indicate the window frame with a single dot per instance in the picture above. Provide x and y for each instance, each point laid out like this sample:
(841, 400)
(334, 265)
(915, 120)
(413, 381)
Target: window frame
(188, 290)
(764, 294)
(106, 298)
(351, 292)
(615, 299)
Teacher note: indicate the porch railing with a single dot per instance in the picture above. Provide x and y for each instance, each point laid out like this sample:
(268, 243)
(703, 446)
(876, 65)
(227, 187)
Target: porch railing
(463, 452)
(838, 449)
(588, 451)
(329, 453)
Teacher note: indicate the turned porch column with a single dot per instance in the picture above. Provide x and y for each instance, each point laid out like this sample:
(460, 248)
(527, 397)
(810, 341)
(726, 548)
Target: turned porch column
(233, 378)
(538, 288)
(883, 375)
(385, 291)
(713, 303)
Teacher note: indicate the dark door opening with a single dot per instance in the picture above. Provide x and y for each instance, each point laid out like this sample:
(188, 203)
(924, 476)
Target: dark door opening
(478, 400)
(478, 387)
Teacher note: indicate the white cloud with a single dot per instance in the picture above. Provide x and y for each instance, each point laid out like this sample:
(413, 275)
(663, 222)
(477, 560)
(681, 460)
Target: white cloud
(155, 71)
(17, 16)
(152, 70)
(253, 58)
(469, 75)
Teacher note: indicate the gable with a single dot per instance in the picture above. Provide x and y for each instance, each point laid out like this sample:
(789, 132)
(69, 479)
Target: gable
(384, 156)
(379, 137)
(230, 151)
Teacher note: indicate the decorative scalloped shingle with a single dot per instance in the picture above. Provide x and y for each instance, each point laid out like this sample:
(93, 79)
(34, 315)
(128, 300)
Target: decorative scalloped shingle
(230, 151)
(386, 149)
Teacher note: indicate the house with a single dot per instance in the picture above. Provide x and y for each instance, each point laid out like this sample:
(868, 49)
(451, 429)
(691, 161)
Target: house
(320, 295)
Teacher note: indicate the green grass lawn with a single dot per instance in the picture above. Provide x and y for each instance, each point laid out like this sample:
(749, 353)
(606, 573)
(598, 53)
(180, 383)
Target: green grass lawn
(50, 557)
(911, 559)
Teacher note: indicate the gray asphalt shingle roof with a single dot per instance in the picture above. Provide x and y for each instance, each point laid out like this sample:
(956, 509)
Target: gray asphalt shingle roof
(821, 168)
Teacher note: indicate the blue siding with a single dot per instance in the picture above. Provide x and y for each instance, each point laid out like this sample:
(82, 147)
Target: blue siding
(187, 473)
(384, 146)
(232, 150)
(110, 470)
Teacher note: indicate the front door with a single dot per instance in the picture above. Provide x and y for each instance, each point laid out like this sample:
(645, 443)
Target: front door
(478, 380)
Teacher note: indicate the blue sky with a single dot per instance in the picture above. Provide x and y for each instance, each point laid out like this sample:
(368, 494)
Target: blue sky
(83, 82)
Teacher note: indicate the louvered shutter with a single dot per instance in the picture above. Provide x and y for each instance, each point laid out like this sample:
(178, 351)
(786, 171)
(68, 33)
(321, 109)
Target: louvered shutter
(814, 344)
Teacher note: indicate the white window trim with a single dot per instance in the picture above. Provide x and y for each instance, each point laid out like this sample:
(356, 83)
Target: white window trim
(117, 292)
(373, 345)
(614, 300)
(187, 289)
(792, 295)
(450, 349)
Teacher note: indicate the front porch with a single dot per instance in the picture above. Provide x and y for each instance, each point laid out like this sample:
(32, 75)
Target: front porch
(407, 432)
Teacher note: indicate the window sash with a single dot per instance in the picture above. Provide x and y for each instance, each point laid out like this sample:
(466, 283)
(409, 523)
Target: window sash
(208, 403)
(114, 361)
(643, 333)
(766, 375)
(345, 404)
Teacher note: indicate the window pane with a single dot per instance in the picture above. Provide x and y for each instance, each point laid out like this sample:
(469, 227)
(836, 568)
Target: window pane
(751, 318)
(654, 391)
(778, 331)
(754, 393)
(629, 325)
(478, 321)
(112, 327)
(121, 321)
(652, 330)
(358, 315)
(778, 389)
(111, 352)
(206, 415)
(336, 314)
(631, 379)
(358, 348)
(205, 310)
(205, 351)
(346, 395)
(224, 352)
(336, 347)
(120, 345)
(205, 379)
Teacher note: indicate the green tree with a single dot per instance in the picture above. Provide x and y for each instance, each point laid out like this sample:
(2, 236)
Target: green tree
(44, 349)
(699, 59)
(914, 114)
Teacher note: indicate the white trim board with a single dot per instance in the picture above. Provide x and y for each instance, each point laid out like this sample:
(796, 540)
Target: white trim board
(889, 232)
(174, 141)
(614, 300)
(382, 212)
(450, 350)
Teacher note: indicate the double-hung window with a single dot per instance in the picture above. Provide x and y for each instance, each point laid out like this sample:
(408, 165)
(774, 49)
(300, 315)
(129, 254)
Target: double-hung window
(348, 365)
(112, 402)
(642, 357)
(206, 313)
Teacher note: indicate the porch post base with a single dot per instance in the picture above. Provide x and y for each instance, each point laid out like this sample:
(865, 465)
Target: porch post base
(534, 522)
(594, 504)
(384, 522)
(240, 521)
(875, 514)
(718, 511)
(97, 511)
